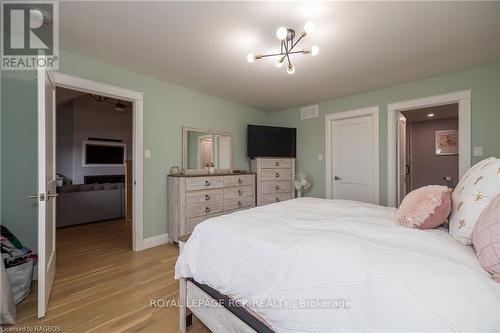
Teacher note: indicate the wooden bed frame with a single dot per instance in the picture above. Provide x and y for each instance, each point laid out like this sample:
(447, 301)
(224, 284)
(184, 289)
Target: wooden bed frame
(217, 318)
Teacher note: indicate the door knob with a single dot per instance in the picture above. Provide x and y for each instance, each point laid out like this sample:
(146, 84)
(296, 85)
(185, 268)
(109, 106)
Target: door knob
(337, 178)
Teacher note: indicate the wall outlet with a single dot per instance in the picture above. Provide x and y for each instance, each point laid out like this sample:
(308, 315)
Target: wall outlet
(478, 151)
(147, 153)
(320, 157)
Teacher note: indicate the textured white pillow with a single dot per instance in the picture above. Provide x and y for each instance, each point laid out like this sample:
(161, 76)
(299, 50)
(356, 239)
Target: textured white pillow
(477, 188)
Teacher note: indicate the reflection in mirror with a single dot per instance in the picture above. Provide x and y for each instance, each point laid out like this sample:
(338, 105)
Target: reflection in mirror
(205, 149)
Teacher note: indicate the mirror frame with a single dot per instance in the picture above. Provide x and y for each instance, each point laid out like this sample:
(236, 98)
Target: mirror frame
(185, 131)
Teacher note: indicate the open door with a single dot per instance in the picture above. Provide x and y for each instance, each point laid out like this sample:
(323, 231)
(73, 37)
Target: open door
(46, 188)
(402, 160)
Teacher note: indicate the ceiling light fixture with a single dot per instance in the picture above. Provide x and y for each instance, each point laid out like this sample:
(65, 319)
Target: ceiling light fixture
(118, 105)
(430, 115)
(287, 45)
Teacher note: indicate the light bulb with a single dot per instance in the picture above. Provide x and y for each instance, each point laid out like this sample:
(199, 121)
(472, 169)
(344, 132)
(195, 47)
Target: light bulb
(291, 69)
(309, 27)
(314, 50)
(250, 58)
(279, 62)
(281, 33)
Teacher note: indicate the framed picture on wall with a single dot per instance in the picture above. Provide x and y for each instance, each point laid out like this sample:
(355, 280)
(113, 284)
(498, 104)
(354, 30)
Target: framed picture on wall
(447, 142)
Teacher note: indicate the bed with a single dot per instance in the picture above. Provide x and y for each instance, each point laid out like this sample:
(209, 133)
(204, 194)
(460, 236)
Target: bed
(315, 265)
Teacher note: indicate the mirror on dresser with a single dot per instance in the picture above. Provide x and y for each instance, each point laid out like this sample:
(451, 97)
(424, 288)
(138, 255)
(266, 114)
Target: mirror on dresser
(202, 148)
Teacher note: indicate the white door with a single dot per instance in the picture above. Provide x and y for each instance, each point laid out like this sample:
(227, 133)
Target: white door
(46, 189)
(402, 159)
(353, 159)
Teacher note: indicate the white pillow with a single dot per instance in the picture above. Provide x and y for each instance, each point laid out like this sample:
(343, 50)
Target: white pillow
(477, 188)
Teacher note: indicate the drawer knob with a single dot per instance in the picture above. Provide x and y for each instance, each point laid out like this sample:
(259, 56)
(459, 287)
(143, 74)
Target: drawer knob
(207, 210)
(207, 183)
(277, 175)
(240, 180)
(239, 203)
(277, 163)
(277, 187)
(240, 193)
(207, 197)
(278, 200)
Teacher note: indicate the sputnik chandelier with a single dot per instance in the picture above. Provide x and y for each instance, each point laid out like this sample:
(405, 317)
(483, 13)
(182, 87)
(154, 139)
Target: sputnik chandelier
(287, 45)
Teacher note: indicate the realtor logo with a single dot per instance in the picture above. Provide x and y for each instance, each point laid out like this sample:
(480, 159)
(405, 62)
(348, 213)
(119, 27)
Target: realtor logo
(30, 35)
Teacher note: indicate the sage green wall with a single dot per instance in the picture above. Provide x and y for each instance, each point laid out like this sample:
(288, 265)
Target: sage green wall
(167, 108)
(484, 82)
(19, 154)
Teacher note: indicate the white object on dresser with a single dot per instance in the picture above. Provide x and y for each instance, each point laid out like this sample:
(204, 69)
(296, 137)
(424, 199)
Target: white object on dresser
(193, 199)
(275, 179)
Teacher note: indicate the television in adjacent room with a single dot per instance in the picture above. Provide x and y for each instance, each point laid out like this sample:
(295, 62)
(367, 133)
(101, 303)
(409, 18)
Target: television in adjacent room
(270, 141)
(103, 153)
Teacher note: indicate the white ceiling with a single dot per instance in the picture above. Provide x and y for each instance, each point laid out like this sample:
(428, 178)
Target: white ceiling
(363, 45)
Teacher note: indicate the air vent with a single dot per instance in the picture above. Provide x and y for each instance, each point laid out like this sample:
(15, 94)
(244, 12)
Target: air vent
(309, 112)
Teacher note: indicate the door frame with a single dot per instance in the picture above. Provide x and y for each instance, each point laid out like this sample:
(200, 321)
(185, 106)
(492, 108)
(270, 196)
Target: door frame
(363, 112)
(136, 98)
(463, 98)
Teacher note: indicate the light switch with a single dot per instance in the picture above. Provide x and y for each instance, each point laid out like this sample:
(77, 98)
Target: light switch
(478, 151)
(320, 157)
(147, 153)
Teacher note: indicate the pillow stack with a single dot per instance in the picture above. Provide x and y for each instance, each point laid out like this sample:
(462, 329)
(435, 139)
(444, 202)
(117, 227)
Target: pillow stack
(475, 191)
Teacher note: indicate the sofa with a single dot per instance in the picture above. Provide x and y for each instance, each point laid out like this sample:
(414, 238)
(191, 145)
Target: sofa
(85, 203)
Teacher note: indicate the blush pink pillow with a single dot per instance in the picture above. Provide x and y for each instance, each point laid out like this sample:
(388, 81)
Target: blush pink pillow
(486, 238)
(425, 208)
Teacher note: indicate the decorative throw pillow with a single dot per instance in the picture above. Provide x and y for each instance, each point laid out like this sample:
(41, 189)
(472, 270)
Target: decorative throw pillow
(486, 238)
(473, 194)
(425, 208)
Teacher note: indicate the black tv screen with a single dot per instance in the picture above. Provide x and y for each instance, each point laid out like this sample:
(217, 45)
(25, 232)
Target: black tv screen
(104, 154)
(268, 141)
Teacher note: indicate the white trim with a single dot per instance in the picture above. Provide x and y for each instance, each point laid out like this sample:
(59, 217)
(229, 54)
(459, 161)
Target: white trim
(463, 98)
(155, 241)
(374, 112)
(103, 89)
(102, 143)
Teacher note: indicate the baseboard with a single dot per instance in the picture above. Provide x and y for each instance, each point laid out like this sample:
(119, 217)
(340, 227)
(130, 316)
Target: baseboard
(155, 241)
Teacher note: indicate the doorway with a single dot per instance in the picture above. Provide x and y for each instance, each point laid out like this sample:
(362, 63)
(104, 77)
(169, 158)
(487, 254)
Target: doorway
(352, 155)
(93, 159)
(462, 99)
(46, 193)
(428, 147)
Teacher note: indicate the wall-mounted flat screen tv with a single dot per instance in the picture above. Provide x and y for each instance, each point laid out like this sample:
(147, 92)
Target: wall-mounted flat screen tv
(269, 141)
(103, 153)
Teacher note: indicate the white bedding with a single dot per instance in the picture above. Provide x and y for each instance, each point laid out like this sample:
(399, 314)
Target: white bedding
(395, 278)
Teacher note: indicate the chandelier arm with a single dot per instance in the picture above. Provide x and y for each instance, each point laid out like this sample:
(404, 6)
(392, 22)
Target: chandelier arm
(287, 55)
(298, 40)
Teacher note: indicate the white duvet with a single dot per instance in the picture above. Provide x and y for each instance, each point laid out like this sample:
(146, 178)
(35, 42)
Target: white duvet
(282, 259)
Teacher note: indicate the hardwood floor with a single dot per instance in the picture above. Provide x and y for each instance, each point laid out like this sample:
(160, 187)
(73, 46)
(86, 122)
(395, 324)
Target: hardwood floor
(101, 285)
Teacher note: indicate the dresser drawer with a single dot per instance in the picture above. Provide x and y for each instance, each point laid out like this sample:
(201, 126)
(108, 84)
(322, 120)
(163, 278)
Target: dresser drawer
(276, 174)
(230, 204)
(276, 163)
(206, 209)
(272, 198)
(238, 192)
(191, 223)
(204, 196)
(276, 186)
(238, 180)
(200, 183)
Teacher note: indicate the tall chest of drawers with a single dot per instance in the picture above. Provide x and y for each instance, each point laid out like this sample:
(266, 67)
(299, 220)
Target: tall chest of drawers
(195, 198)
(275, 179)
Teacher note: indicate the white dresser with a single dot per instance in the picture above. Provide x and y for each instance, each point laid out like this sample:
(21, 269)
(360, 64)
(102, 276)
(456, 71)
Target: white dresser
(195, 198)
(275, 179)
